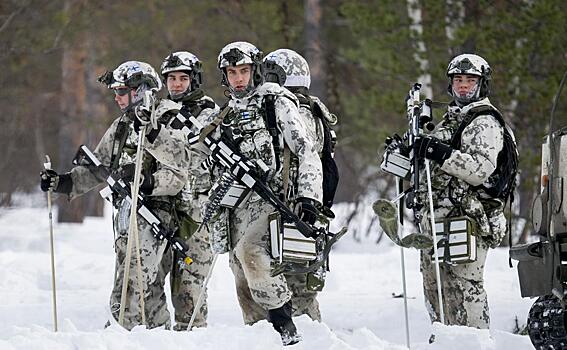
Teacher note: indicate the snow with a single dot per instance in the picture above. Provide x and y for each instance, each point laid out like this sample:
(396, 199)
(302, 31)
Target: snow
(357, 304)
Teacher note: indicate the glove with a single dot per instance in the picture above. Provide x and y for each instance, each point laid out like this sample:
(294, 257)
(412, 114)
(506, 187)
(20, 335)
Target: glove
(48, 180)
(148, 181)
(51, 181)
(306, 210)
(143, 117)
(431, 148)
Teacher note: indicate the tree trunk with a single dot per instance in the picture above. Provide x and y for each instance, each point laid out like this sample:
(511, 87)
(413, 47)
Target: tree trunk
(315, 47)
(73, 126)
(414, 14)
(472, 15)
(95, 117)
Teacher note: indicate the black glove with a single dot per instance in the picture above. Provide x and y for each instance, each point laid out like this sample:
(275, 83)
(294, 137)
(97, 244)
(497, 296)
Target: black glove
(306, 209)
(431, 148)
(127, 175)
(50, 180)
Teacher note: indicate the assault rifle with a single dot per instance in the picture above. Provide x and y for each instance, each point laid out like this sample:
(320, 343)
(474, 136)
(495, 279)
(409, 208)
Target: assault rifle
(399, 149)
(245, 172)
(119, 189)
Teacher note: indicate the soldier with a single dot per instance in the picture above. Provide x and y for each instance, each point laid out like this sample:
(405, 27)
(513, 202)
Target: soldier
(248, 127)
(289, 69)
(182, 74)
(164, 172)
(463, 179)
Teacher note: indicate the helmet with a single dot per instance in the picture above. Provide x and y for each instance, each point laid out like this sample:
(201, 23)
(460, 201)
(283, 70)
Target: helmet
(294, 66)
(134, 75)
(470, 64)
(183, 61)
(237, 53)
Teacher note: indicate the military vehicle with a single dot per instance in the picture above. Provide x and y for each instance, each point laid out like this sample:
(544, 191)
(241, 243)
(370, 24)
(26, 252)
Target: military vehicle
(542, 266)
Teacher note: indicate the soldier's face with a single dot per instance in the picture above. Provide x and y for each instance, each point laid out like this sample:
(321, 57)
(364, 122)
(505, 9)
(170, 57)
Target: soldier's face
(122, 96)
(239, 76)
(463, 84)
(177, 82)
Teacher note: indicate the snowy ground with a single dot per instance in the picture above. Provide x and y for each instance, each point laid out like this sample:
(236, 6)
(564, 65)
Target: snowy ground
(358, 309)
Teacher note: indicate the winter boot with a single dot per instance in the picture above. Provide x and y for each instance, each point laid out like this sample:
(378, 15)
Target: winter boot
(280, 318)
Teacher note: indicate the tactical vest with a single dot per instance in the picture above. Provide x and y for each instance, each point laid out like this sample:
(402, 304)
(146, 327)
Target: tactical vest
(453, 196)
(125, 143)
(248, 129)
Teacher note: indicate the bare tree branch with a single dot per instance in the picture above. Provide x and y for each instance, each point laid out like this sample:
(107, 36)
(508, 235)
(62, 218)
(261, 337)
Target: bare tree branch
(11, 17)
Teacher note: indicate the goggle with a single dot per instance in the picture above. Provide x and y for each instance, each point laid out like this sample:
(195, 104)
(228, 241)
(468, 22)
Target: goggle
(173, 61)
(233, 56)
(121, 91)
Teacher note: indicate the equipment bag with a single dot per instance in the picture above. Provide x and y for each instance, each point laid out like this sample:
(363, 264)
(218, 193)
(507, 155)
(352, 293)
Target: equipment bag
(456, 240)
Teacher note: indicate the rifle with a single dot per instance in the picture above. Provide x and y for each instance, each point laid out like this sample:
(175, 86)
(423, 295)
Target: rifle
(119, 189)
(245, 172)
(399, 159)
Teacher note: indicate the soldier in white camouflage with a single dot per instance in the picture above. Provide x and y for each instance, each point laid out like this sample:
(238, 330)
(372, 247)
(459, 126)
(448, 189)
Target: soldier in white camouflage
(164, 173)
(182, 74)
(247, 127)
(461, 183)
(289, 69)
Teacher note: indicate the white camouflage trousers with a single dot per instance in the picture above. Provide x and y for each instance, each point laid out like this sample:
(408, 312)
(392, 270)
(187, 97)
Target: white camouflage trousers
(250, 259)
(303, 301)
(156, 263)
(464, 298)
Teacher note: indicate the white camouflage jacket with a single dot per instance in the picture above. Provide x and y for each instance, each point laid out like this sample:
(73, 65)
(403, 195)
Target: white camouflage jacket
(168, 149)
(291, 130)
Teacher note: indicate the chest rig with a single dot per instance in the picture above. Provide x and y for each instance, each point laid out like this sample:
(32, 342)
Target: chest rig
(254, 135)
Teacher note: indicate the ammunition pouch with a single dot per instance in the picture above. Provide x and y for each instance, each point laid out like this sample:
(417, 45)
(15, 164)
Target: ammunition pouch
(186, 226)
(288, 244)
(456, 239)
(228, 193)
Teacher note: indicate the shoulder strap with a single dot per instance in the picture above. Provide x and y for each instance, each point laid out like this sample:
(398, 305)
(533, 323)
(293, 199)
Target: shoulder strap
(472, 115)
(118, 144)
(271, 124)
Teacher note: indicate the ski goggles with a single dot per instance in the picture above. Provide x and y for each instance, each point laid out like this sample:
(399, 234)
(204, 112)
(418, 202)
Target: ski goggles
(121, 91)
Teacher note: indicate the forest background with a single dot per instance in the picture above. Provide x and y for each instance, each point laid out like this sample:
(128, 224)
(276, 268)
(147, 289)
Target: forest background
(364, 56)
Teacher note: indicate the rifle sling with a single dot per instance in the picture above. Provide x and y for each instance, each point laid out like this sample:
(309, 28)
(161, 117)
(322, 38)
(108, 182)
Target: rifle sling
(216, 122)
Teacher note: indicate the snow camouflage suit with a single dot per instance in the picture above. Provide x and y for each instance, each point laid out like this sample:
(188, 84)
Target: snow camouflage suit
(303, 300)
(464, 297)
(249, 257)
(186, 283)
(167, 154)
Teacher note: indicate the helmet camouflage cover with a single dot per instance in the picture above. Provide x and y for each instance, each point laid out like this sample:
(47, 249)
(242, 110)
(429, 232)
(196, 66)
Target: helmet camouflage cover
(132, 74)
(294, 65)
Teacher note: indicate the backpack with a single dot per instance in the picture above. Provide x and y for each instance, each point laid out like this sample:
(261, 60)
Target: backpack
(330, 169)
(503, 179)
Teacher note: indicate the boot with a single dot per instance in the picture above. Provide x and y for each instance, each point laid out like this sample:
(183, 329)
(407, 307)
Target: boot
(281, 319)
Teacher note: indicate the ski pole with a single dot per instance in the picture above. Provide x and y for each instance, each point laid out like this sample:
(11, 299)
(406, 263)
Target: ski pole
(133, 235)
(434, 233)
(47, 166)
(400, 227)
(197, 306)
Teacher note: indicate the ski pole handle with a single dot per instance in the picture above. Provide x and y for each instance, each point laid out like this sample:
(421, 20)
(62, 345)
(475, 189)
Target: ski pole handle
(47, 164)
